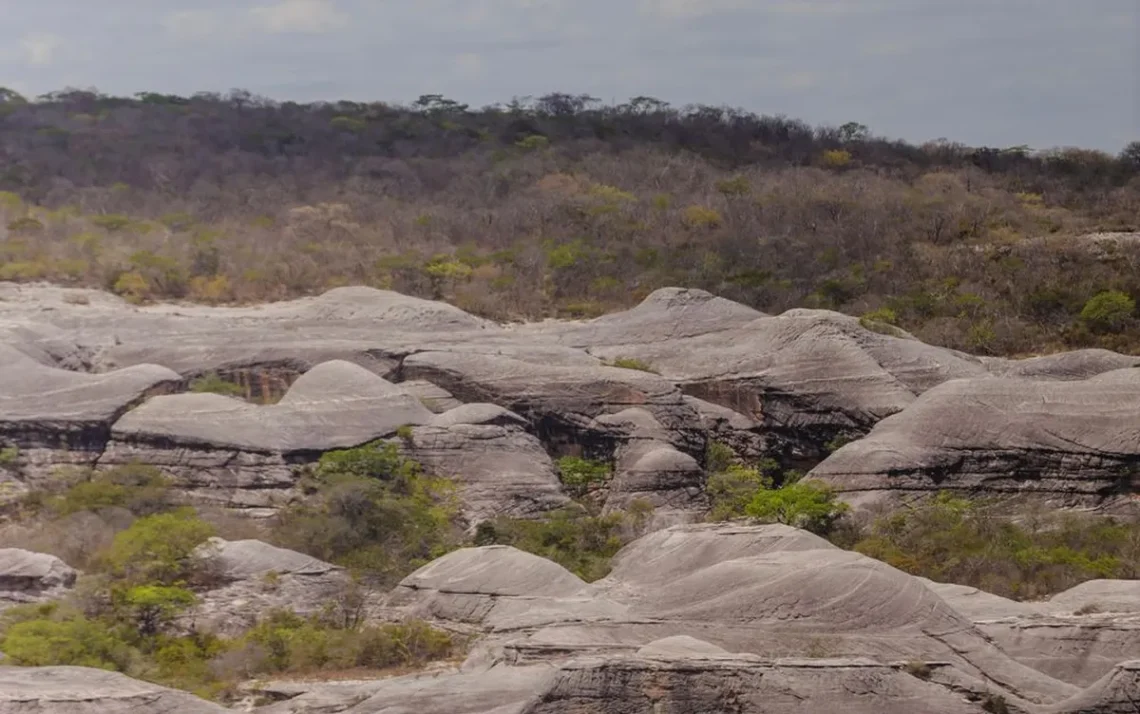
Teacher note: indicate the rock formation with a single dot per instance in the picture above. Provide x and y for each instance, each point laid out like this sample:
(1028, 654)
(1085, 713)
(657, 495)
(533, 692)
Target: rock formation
(692, 618)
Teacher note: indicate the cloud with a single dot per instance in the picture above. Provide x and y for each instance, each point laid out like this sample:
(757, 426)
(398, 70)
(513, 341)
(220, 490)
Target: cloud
(307, 16)
(682, 9)
(191, 24)
(40, 48)
(470, 65)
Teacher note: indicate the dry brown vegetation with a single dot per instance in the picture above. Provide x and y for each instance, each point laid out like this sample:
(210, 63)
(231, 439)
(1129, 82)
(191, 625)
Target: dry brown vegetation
(559, 206)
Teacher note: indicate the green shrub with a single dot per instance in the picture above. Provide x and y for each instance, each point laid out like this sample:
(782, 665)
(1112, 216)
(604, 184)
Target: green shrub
(371, 509)
(533, 142)
(151, 608)
(212, 383)
(159, 549)
(296, 644)
(73, 641)
(1108, 311)
(141, 489)
(718, 457)
(802, 505)
(579, 475)
(731, 490)
(1014, 554)
(9, 456)
(581, 543)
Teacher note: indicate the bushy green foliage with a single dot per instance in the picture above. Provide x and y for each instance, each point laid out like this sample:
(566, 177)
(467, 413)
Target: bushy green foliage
(803, 505)
(45, 635)
(583, 544)
(9, 456)
(141, 489)
(159, 549)
(733, 487)
(212, 383)
(579, 475)
(295, 644)
(718, 457)
(150, 608)
(1108, 310)
(371, 509)
(139, 642)
(1020, 554)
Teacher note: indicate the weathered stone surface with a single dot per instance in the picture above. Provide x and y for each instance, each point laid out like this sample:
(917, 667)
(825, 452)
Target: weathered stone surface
(1097, 596)
(767, 591)
(79, 690)
(499, 690)
(335, 405)
(1072, 442)
(435, 398)
(52, 417)
(501, 469)
(1078, 650)
(227, 452)
(561, 400)
(27, 577)
(1117, 692)
(1069, 637)
(743, 685)
(978, 605)
(254, 578)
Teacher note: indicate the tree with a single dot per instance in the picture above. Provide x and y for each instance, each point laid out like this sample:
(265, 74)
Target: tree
(1131, 155)
(160, 549)
(151, 607)
(1108, 311)
(11, 96)
(802, 505)
(853, 131)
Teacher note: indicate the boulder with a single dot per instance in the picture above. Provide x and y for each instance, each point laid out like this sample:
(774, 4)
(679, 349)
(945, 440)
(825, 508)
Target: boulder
(1072, 443)
(80, 690)
(252, 578)
(27, 577)
(501, 469)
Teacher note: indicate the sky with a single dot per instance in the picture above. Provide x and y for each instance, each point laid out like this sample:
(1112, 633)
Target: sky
(1042, 73)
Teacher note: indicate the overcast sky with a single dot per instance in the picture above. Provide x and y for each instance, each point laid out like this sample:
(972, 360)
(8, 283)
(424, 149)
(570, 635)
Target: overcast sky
(986, 72)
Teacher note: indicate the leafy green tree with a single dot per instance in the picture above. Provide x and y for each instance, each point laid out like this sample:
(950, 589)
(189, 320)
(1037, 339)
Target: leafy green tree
(373, 510)
(578, 475)
(803, 505)
(151, 608)
(160, 549)
(732, 489)
(1108, 310)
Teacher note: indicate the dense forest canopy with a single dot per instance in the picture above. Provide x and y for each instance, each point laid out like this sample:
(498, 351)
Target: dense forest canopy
(562, 205)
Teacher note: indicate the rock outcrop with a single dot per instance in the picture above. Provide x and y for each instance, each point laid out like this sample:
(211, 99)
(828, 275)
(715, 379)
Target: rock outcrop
(788, 387)
(27, 577)
(252, 578)
(79, 690)
(1072, 443)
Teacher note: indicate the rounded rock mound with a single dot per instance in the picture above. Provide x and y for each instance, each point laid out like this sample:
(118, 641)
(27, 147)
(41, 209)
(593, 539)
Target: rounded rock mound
(497, 570)
(832, 590)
